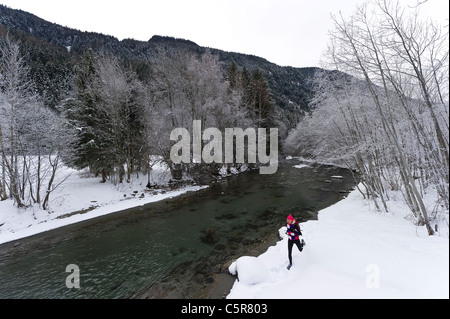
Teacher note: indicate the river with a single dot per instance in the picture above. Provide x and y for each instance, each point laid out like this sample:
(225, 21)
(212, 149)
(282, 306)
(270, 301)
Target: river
(176, 248)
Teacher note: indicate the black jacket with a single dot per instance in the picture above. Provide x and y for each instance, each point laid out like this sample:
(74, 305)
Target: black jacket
(293, 231)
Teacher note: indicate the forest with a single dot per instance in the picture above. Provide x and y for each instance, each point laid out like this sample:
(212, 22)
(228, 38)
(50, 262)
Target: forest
(390, 121)
(379, 108)
(113, 121)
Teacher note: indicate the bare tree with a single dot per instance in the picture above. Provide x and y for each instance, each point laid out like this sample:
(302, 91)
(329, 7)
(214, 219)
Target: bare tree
(400, 59)
(115, 104)
(32, 137)
(187, 87)
(16, 95)
(393, 123)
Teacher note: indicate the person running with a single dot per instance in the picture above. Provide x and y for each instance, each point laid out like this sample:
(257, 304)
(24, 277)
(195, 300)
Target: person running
(293, 232)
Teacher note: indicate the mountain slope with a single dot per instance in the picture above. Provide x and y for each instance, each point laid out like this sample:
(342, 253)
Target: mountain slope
(48, 42)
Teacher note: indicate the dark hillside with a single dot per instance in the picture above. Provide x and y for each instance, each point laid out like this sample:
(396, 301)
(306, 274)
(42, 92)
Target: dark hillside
(53, 49)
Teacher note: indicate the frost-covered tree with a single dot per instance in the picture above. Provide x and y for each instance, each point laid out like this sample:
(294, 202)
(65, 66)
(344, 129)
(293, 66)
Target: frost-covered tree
(187, 87)
(81, 111)
(32, 137)
(106, 112)
(17, 96)
(119, 106)
(391, 124)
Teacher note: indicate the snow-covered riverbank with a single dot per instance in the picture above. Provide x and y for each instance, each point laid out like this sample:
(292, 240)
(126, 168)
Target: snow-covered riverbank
(88, 197)
(352, 251)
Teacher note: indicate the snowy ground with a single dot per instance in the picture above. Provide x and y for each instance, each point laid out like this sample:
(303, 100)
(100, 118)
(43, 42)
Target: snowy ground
(82, 191)
(351, 252)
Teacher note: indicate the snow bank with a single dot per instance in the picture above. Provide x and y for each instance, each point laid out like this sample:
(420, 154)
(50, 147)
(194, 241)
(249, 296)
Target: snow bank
(81, 192)
(250, 270)
(353, 252)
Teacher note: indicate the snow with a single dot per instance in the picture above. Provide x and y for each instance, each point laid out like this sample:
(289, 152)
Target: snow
(300, 166)
(250, 269)
(83, 192)
(233, 170)
(351, 251)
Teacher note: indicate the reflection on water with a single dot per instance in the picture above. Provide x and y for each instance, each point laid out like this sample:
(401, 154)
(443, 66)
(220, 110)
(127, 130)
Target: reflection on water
(178, 243)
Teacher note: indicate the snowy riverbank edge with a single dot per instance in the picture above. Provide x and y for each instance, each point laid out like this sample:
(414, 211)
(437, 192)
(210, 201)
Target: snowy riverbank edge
(81, 199)
(351, 252)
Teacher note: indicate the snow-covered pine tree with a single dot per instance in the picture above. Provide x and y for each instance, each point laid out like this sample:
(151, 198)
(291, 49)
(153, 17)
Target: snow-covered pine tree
(82, 112)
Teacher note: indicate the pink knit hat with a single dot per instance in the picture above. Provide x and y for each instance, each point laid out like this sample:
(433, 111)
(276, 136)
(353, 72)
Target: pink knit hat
(290, 217)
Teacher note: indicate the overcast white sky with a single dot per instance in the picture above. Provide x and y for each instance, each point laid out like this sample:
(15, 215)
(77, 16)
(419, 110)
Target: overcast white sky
(286, 32)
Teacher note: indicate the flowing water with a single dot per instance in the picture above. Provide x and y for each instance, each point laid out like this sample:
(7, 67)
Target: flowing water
(169, 248)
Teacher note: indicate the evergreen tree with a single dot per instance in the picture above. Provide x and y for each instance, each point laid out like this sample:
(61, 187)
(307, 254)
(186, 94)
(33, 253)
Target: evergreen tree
(233, 76)
(261, 100)
(83, 113)
(245, 86)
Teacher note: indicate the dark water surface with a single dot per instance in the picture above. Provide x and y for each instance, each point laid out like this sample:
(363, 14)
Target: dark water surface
(170, 248)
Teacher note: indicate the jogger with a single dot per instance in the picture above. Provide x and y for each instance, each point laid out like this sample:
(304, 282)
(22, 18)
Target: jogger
(293, 231)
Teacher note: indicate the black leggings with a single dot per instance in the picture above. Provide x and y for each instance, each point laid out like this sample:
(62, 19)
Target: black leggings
(290, 244)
